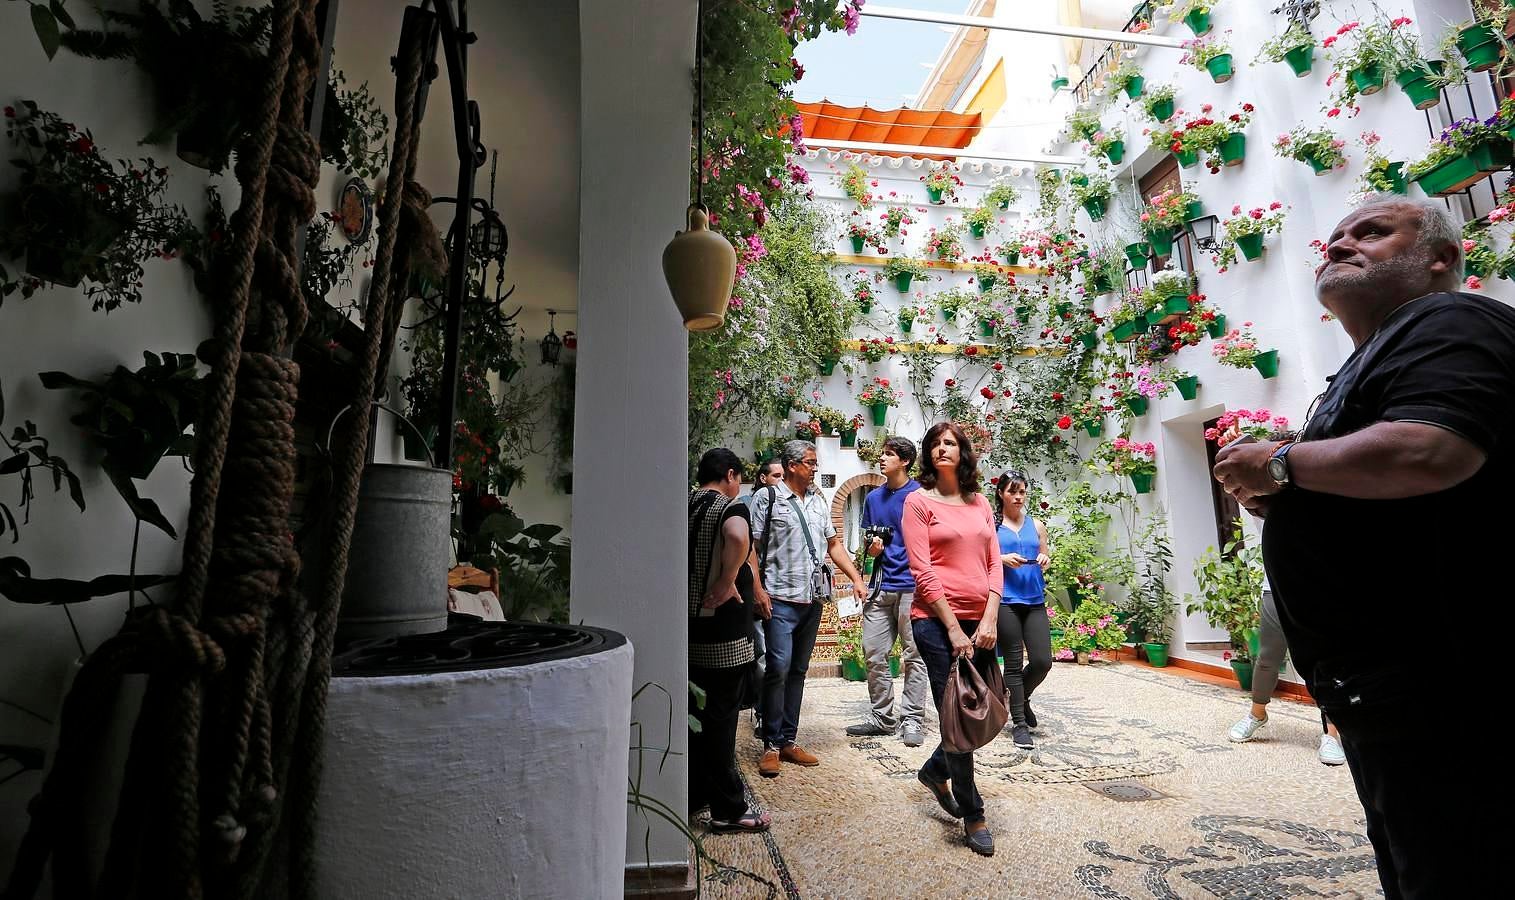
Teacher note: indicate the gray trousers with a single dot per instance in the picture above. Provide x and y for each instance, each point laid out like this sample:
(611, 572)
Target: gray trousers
(1271, 650)
(884, 619)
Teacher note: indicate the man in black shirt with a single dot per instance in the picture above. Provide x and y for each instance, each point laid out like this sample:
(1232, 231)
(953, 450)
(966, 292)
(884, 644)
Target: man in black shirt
(1382, 540)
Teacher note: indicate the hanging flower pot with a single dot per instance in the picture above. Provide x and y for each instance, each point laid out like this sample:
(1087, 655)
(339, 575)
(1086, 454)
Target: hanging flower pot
(977, 231)
(1089, 339)
(1142, 481)
(902, 282)
(1188, 386)
(857, 244)
(1173, 309)
(1220, 68)
(985, 282)
(1459, 172)
(1162, 110)
(1369, 78)
(1126, 331)
(1321, 166)
(867, 306)
(879, 411)
(1023, 312)
(1198, 22)
(1301, 59)
(985, 328)
(1194, 210)
(1063, 309)
(1094, 428)
(1134, 86)
(1079, 178)
(1059, 83)
(1395, 173)
(1233, 149)
(1250, 245)
(849, 437)
(1266, 362)
(1137, 405)
(1479, 45)
(1095, 207)
(948, 313)
(1012, 257)
(1161, 241)
(1115, 151)
(828, 364)
(935, 195)
(1100, 283)
(1136, 254)
(1217, 326)
(1416, 83)
(905, 325)
(1187, 158)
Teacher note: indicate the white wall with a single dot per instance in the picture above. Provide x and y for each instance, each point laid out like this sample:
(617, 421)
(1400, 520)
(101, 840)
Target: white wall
(630, 449)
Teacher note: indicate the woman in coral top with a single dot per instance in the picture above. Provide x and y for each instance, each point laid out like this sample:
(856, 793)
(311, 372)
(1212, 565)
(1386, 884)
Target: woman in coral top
(954, 556)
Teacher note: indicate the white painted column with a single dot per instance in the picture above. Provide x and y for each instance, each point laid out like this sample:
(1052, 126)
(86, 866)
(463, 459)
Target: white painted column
(629, 507)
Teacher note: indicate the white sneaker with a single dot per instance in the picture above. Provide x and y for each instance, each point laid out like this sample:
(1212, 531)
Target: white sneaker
(1330, 753)
(1246, 729)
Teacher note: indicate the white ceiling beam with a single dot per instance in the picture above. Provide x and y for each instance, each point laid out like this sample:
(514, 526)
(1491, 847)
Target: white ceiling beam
(1073, 31)
(919, 150)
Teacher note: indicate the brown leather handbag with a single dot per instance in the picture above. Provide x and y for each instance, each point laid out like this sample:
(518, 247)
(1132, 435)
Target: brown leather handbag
(973, 707)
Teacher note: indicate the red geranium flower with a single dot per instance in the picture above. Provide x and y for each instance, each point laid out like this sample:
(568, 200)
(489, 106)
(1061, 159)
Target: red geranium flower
(987, 392)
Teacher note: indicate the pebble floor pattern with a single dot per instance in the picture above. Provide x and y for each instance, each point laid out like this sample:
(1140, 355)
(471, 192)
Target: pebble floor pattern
(1258, 820)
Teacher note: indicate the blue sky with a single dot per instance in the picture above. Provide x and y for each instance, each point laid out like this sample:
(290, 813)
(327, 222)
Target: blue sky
(885, 61)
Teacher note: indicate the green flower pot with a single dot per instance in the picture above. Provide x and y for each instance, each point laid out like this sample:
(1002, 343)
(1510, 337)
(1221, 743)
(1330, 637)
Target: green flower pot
(1004, 204)
(1157, 655)
(1188, 388)
(1162, 110)
(1369, 79)
(1125, 331)
(1300, 59)
(1142, 482)
(1095, 207)
(1059, 83)
(803, 433)
(1233, 149)
(1396, 175)
(1023, 312)
(854, 670)
(1243, 670)
(935, 194)
(1063, 309)
(1176, 305)
(1198, 22)
(1254, 641)
(1479, 46)
(1194, 210)
(1216, 327)
(1137, 405)
(902, 282)
(879, 411)
(849, 437)
(948, 313)
(985, 328)
(1416, 84)
(1137, 253)
(828, 364)
(977, 231)
(1161, 241)
(894, 666)
(1220, 68)
(1250, 245)
(1459, 172)
(1094, 428)
(1101, 284)
(1187, 158)
(867, 306)
(1089, 339)
(905, 325)
(1012, 257)
(1116, 151)
(1266, 362)
(857, 244)
(1321, 167)
(1134, 86)
(985, 282)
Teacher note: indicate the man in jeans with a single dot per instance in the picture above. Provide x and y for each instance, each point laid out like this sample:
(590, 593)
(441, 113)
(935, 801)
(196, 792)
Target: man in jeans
(768, 472)
(887, 617)
(791, 523)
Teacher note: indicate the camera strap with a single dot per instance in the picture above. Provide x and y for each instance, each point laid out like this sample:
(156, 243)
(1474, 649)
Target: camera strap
(805, 529)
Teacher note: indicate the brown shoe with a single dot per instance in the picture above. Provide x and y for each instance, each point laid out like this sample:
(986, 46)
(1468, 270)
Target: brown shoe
(768, 766)
(798, 755)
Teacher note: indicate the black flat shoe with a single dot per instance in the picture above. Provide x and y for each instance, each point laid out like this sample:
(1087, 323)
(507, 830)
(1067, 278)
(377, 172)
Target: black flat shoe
(942, 795)
(981, 841)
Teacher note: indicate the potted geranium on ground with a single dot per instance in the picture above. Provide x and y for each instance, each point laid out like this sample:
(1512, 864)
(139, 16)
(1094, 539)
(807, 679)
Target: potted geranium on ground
(1296, 46)
(942, 184)
(1320, 147)
(1133, 459)
(849, 649)
(1239, 350)
(1209, 54)
(1245, 231)
(1230, 585)
(878, 397)
(80, 218)
(1465, 152)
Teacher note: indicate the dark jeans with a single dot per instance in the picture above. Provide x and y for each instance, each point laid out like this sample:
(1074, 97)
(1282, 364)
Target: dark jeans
(791, 639)
(957, 768)
(712, 750)
(1024, 627)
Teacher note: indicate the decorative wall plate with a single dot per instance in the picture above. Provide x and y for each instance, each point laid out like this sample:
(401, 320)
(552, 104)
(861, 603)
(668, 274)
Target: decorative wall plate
(355, 210)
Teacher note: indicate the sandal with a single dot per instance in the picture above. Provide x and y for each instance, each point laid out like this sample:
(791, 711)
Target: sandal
(748, 822)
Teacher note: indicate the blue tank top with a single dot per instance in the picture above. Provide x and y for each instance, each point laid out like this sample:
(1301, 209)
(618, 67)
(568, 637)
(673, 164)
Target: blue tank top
(1023, 585)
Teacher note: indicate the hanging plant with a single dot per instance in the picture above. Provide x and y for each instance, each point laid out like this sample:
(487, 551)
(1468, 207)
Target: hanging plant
(1083, 122)
(26, 450)
(902, 271)
(942, 184)
(1246, 231)
(946, 243)
(894, 220)
(1296, 46)
(981, 221)
(1157, 103)
(862, 235)
(1464, 152)
(1364, 54)
(354, 130)
(1379, 174)
(854, 180)
(82, 219)
(1210, 54)
(1109, 144)
(1320, 147)
(1094, 196)
(1001, 194)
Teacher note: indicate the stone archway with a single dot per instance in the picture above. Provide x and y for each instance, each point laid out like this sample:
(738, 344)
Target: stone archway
(824, 661)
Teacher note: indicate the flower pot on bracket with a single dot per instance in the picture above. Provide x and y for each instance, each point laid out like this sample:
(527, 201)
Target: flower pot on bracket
(1161, 242)
(902, 282)
(828, 364)
(857, 244)
(1134, 86)
(1233, 149)
(935, 195)
(1369, 78)
(1125, 332)
(1162, 110)
(1116, 151)
(1220, 68)
(1188, 387)
(1094, 428)
(1416, 83)
(977, 231)
(1217, 326)
(985, 328)
(1137, 405)
(1301, 60)
(1198, 22)
(1187, 158)
(1459, 172)
(1137, 253)
(985, 282)
(849, 437)
(1266, 362)
(1012, 257)
(1089, 339)
(879, 412)
(1141, 482)
(1095, 207)
(1480, 47)
(1250, 245)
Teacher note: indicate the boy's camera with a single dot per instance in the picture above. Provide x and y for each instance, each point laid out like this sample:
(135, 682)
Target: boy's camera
(882, 532)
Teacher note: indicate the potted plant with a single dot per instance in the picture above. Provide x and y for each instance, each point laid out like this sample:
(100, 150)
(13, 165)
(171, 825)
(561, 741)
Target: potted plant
(1320, 147)
(948, 303)
(1001, 194)
(1094, 197)
(1246, 231)
(855, 183)
(1157, 103)
(1149, 606)
(1481, 40)
(1238, 349)
(1379, 174)
(1213, 322)
(1224, 140)
(1479, 258)
(1258, 424)
(908, 315)
(1164, 214)
(1088, 415)
(980, 221)
(1088, 631)
(946, 243)
(1104, 270)
(862, 291)
(1209, 54)
(987, 273)
(861, 235)
(82, 219)
(893, 221)
(1364, 54)
(1296, 47)
(1083, 123)
(1174, 139)
(878, 396)
(1170, 296)
(1076, 526)
(902, 272)
(1010, 252)
(942, 184)
(1137, 253)
(1465, 152)
(1133, 459)
(1230, 585)
(850, 428)
(849, 649)
(1195, 14)
(1129, 316)
(875, 349)
(1186, 382)
(1126, 77)
(1109, 144)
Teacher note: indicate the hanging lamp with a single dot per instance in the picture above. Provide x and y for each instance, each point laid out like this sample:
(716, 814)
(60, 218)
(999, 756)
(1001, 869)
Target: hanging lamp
(552, 345)
(700, 264)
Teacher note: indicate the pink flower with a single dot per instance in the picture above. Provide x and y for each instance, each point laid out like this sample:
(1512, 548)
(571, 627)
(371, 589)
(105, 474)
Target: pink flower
(1333, 112)
(1236, 210)
(1473, 284)
(1328, 41)
(1467, 245)
(1275, 205)
(1499, 214)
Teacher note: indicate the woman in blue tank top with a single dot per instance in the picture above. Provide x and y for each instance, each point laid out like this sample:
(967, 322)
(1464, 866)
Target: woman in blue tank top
(1023, 625)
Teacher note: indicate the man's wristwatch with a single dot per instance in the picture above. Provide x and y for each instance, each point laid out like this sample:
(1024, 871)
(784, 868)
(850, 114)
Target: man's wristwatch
(1278, 464)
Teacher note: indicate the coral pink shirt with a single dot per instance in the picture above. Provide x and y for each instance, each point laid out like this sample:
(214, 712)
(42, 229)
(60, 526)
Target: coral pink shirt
(953, 554)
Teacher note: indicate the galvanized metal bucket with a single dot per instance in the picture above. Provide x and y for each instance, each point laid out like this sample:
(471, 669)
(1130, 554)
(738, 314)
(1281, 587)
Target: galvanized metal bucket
(401, 550)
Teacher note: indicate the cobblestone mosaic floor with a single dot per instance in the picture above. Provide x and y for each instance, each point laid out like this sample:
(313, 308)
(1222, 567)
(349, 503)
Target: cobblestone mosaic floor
(1257, 820)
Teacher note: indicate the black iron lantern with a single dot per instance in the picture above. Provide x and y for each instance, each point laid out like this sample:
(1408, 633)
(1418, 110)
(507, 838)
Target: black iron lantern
(1203, 230)
(487, 239)
(552, 345)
